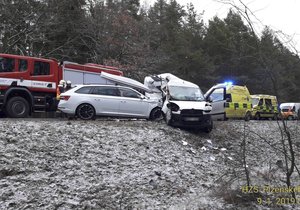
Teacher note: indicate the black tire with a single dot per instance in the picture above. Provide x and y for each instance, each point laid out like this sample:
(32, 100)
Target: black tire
(257, 116)
(290, 118)
(17, 107)
(155, 114)
(209, 128)
(86, 112)
(276, 117)
(247, 116)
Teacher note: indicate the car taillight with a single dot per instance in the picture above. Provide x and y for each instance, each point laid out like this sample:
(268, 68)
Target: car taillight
(65, 98)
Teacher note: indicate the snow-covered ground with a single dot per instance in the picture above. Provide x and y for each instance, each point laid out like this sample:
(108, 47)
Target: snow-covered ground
(137, 164)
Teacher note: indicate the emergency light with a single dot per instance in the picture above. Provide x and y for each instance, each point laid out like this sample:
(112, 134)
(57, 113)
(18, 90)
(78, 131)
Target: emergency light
(228, 83)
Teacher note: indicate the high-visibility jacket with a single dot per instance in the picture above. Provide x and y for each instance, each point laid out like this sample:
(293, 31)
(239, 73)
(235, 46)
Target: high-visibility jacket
(59, 90)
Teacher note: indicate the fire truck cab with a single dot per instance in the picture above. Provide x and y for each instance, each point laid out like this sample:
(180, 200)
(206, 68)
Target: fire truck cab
(29, 84)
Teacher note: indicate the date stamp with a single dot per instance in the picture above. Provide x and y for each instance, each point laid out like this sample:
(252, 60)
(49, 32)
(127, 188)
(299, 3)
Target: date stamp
(271, 195)
(278, 201)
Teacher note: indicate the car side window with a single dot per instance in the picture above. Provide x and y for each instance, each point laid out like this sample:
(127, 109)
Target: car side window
(261, 102)
(106, 91)
(84, 90)
(129, 93)
(7, 64)
(23, 65)
(41, 68)
(217, 94)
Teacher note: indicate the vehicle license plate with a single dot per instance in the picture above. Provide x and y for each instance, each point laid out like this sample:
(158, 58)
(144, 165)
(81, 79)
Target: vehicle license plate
(191, 119)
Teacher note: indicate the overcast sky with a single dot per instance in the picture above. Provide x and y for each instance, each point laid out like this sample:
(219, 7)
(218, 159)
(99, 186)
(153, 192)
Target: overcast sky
(280, 15)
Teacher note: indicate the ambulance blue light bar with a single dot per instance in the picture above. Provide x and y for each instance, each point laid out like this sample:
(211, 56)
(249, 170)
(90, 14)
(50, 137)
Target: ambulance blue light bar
(228, 83)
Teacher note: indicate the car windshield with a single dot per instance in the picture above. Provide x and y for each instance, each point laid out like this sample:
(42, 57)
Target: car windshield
(185, 93)
(255, 101)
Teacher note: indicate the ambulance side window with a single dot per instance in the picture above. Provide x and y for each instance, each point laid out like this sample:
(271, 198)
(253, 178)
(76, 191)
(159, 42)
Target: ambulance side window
(261, 102)
(268, 103)
(217, 95)
(228, 97)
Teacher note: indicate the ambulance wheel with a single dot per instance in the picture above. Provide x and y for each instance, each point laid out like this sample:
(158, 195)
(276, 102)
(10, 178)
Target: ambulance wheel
(248, 116)
(86, 112)
(257, 116)
(17, 107)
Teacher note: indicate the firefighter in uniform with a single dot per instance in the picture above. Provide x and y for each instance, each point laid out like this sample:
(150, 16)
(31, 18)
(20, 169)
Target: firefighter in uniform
(68, 85)
(60, 89)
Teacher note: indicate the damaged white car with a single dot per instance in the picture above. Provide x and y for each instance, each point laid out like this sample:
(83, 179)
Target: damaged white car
(183, 102)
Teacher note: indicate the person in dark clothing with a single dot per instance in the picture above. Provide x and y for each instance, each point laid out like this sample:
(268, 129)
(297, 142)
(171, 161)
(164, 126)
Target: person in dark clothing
(68, 86)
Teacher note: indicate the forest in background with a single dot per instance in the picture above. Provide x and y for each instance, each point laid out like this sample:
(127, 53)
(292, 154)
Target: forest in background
(167, 37)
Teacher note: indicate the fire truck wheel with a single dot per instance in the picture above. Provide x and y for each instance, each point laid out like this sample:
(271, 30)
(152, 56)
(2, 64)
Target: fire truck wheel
(17, 107)
(85, 112)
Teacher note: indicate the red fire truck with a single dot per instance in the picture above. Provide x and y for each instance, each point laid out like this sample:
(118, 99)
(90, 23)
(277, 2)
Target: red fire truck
(29, 84)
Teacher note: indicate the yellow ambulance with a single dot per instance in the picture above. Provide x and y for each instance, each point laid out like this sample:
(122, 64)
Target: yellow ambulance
(264, 106)
(229, 101)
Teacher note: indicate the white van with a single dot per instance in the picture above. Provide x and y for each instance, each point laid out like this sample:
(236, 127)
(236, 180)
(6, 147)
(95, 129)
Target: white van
(290, 111)
(184, 104)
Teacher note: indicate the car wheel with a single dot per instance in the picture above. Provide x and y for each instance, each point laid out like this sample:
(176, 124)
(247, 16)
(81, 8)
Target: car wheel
(257, 116)
(276, 117)
(17, 107)
(209, 128)
(248, 116)
(168, 117)
(86, 112)
(290, 118)
(155, 113)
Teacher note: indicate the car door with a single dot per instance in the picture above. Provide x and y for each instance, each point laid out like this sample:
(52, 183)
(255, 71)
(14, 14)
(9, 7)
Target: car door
(106, 100)
(217, 97)
(132, 103)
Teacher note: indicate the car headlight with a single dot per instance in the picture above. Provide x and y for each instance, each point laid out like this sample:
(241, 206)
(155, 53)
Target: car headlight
(174, 107)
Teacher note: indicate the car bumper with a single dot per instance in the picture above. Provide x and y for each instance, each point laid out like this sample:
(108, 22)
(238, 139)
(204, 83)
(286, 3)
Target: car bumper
(199, 121)
(66, 110)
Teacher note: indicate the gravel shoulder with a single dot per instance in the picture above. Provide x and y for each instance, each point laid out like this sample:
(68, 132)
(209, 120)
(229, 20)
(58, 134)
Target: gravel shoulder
(135, 164)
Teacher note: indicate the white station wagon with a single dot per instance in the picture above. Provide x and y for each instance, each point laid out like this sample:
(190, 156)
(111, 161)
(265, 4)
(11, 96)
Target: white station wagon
(88, 101)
